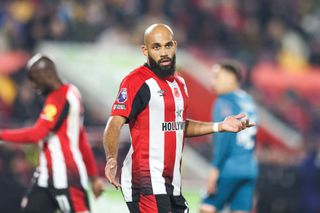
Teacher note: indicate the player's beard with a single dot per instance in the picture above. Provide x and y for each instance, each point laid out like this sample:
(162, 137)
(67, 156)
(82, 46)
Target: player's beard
(163, 71)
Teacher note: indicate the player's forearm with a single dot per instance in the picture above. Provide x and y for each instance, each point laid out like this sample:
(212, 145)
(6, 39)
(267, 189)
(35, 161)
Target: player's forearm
(198, 128)
(111, 142)
(111, 137)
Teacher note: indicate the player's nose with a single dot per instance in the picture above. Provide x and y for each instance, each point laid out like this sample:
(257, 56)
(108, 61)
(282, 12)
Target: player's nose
(163, 52)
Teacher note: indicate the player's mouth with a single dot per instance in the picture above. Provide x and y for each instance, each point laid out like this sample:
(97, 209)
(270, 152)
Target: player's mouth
(165, 62)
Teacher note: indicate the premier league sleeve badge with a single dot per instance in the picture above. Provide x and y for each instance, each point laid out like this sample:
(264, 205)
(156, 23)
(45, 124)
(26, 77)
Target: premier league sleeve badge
(123, 95)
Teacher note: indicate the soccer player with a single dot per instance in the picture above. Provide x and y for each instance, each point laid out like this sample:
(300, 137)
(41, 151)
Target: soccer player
(153, 100)
(233, 174)
(66, 159)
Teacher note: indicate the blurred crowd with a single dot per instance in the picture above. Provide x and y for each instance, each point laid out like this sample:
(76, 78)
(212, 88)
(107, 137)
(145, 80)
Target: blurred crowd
(247, 29)
(285, 33)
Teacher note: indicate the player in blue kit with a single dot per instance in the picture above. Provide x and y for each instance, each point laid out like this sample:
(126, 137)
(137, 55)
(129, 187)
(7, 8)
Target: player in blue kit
(233, 175)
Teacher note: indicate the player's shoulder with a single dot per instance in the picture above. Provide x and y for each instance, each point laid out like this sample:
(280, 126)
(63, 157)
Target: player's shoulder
(225, 104)
(179, 78)
(59, 96)
(62, 92)
(244, 96)
(222, 107)
(225, 99)
(137, 76)
(58, 93)
(74, 90)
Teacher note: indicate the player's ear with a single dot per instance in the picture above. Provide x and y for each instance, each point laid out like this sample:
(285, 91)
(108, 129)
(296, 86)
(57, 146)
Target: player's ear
(144, 50)
(175, 44)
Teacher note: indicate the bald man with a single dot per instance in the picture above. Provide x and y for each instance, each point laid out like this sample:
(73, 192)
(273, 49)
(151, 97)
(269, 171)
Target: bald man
(153, 100)
(66, 160)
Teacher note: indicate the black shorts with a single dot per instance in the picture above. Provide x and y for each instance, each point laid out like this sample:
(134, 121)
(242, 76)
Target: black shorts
(159, 204)
(48, 200)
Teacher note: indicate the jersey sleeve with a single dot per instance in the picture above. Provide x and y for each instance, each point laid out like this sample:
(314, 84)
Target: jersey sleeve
(87, 154)
(51, 117)
(131, 100)
(222, 141)
(54, 111)
(26, 135)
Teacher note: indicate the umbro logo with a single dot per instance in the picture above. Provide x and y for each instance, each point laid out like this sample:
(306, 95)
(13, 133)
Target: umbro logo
(161, 92)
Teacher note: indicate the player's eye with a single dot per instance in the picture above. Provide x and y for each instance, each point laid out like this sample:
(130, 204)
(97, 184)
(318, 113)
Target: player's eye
(169, 45)
(156, 47)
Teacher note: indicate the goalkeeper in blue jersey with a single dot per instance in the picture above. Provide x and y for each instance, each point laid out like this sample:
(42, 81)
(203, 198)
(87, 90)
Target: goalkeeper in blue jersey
(233, 174)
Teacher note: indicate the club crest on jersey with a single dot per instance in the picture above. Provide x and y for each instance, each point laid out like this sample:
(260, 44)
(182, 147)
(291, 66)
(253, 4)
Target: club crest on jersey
(176, 93)
(123, 95)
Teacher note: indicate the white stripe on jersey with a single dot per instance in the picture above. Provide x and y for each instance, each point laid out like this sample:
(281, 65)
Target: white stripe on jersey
(179, 105)
(43, 169)
(156, 148)
(126, 176)
(73, 130)
(184, 85)
(59, 170)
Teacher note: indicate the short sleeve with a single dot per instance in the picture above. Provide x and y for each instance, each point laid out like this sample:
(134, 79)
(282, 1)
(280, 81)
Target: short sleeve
(132, 98)
(54, 111)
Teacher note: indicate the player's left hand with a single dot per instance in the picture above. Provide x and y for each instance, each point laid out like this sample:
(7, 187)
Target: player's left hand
(111, 171)
(97, 185)
(236, 123)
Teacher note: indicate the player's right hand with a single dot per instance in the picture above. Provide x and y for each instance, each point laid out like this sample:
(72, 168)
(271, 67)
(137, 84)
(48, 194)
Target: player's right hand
(97, 185)
(236, 123)
(111, 171)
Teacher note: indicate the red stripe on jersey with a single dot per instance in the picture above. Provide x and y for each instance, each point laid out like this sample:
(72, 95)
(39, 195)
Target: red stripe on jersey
(78, 198)
(49, 162)
(148, 204)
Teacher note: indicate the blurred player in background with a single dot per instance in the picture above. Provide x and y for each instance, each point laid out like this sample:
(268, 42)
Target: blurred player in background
(234, 169)
(66, 160)
(153, 100)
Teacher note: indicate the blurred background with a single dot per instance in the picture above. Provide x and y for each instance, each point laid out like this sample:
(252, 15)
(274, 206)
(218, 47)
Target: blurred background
(96, 43)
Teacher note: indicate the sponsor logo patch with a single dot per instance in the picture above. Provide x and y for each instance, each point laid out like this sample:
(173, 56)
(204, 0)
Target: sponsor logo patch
(49, 112)
(123, 95)
(120, 106)
(161, 92)
(173, 126)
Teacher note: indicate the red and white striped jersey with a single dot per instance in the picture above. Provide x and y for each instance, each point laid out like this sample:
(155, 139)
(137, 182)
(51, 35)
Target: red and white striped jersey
(155, 109)
(65, 156)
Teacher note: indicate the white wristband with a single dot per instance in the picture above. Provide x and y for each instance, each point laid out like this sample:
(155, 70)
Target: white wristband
(215, 127)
